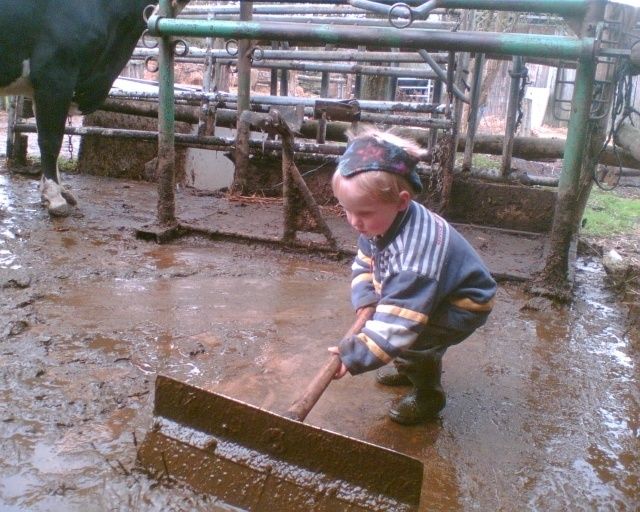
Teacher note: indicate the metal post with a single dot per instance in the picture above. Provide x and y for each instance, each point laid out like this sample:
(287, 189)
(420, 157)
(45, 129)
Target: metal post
(11, 122)
(284, 75)
(322, 122)
(436, 99)
(575, 179)
(20, 141)
(206, 121)
(243, 134)
(472, 119)
(273, 82)
(357, 86)
(512, 112)
(393, 80)
(563, 229)
(220, 70)
(166, 128)
(454, 75)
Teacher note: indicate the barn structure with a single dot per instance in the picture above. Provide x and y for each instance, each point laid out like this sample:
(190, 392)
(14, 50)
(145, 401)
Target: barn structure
(280, 84)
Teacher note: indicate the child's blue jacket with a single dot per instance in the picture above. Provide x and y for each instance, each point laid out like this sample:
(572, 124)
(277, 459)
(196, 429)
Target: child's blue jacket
(421, 274)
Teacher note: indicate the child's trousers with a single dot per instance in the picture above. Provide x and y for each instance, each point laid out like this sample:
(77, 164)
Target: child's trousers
(422, 364)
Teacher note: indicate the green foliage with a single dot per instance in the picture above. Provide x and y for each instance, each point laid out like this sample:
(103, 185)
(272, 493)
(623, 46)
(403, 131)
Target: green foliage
(490, 162)
(481, 161)
(67, 165)
(608, 214)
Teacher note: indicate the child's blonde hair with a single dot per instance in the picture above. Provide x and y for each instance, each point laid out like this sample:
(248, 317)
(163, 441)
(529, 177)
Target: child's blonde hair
(380, 185)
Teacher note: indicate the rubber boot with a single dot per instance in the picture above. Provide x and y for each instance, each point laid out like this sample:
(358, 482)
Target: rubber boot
(390, 376)
(427, 398)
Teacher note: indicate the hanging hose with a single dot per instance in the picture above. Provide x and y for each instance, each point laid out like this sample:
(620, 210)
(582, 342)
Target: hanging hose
(621, 110)
(524, 77)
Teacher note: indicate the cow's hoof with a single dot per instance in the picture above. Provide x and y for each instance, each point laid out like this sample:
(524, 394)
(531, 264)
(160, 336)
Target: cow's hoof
(59, 210)
(69, 197)
(51, 196)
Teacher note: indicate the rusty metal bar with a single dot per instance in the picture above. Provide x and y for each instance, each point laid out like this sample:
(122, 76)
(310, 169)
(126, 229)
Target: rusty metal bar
(302, 55)
(197, 140)
(308, 8)
(338, 21)
(293, 183)
(189, 140)
(416, 72)
(224, 98)
(562, 7)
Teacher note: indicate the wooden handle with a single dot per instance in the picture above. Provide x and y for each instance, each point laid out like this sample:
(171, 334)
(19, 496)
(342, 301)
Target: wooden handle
(300, 408)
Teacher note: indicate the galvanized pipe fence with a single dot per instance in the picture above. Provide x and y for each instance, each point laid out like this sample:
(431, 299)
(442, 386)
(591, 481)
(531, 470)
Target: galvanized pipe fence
(583, 49)
(414, 41)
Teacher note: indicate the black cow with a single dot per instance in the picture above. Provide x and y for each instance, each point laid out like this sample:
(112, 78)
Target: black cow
(65, 53)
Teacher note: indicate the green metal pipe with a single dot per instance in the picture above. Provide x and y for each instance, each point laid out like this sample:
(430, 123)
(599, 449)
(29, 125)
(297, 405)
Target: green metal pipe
(166, 128)
(578, 125)
(542, 6)
(528, 45)
(564, 222)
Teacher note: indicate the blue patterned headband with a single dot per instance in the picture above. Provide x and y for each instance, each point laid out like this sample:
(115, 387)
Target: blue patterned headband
(371, 153)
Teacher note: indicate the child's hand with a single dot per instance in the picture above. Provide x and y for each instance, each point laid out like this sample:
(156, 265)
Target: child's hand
(342, 371)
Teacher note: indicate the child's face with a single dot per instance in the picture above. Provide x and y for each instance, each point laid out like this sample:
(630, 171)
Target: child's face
(366, 215)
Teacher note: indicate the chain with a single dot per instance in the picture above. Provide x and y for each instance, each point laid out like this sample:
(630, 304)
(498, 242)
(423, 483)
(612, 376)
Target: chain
(70, 140)
(524, 81)
(620, 111)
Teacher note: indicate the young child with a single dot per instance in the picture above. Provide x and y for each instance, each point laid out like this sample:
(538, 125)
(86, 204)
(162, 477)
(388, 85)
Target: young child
(429, 287)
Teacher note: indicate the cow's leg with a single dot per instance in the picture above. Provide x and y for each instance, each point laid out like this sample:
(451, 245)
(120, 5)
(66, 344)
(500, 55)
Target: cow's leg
(51, 106)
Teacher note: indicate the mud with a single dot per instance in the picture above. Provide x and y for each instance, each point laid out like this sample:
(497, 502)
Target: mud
(543, 403)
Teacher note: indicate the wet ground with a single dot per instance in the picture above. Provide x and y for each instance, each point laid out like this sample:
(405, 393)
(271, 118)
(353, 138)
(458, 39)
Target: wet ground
(543, 403)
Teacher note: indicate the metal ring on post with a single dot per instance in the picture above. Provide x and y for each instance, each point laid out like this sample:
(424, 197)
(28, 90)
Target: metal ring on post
(230, 49)
(151, 68)
(148, 43)
(185, 48)
(257, 54)
(395, 19)
(148, 11)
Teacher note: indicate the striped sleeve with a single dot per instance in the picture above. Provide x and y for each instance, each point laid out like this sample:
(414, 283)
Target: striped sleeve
(400, 316)
(423, 246)
(363, 286)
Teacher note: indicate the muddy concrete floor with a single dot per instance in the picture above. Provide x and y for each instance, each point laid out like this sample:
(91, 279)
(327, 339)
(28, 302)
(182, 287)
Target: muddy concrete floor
(543, 403)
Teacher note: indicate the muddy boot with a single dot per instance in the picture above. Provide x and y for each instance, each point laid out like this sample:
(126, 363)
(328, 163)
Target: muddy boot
(418, 406)
(427, 398)
(390, 376)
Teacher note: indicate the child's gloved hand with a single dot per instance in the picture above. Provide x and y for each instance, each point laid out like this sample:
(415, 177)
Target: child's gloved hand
(342, 371)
